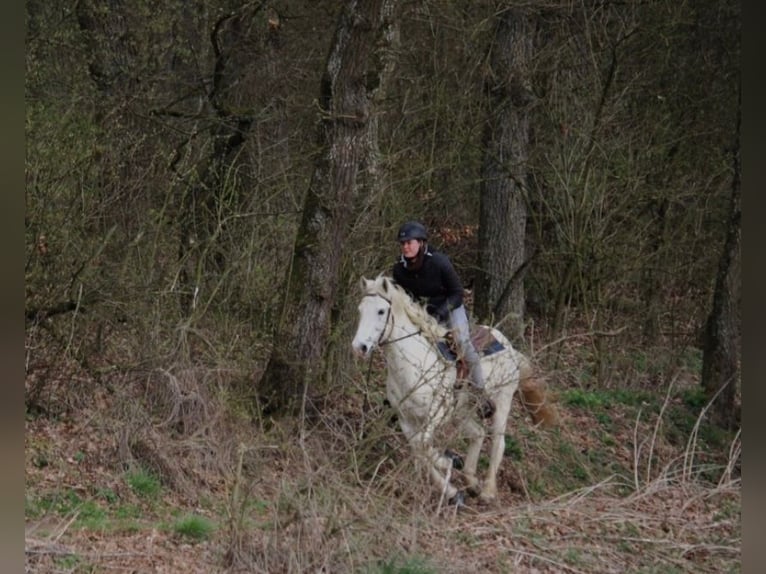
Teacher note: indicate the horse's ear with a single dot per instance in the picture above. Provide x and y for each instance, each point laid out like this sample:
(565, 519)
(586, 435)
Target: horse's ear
(386, 284)
(364, 284)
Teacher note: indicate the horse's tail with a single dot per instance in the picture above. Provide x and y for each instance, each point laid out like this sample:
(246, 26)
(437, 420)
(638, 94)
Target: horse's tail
(535, 398)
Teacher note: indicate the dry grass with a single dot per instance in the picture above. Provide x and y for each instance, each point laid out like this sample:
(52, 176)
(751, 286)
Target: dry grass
(341, 494)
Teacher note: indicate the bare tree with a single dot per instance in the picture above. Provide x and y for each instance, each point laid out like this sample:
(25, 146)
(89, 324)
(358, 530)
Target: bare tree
(206, 199)
(352, 74)
(503, 216)
(720, 364)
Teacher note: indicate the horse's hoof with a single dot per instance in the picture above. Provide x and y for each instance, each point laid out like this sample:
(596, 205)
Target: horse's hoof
(458, 500)
(457, 460)
(473, 490)
(487, 500)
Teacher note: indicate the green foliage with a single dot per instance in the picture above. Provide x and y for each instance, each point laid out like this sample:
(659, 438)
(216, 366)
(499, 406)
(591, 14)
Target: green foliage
(565, 467)
(691, 359)
(584, 399)
(108, 495)
(143, 483)
(73, 563)
(59, 503)
(607, 439)
(684, 420)
(87, 513)
(127, 512)
(604, 419)
(599, 399)
(641, 362)
(695, 398)
(194, 527)
(513, 448)
(574, 556)
(683, 425)
(92, 516)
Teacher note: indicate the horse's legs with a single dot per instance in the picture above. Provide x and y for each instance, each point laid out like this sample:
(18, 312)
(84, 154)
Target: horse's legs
(497, 448)
(475, 433)
(438, 464)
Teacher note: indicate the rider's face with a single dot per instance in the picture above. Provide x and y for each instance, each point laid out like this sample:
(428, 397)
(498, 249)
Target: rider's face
(410, 247)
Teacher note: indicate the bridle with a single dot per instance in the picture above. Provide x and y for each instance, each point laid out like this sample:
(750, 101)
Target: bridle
(382, 342)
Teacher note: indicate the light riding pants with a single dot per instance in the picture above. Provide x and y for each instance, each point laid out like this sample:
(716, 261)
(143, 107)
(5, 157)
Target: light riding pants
(459, 325)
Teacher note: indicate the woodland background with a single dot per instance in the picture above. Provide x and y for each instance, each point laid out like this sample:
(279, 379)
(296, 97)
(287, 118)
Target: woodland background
(207, 181)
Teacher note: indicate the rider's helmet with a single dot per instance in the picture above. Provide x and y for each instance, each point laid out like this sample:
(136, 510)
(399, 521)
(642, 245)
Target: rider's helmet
(412, 230)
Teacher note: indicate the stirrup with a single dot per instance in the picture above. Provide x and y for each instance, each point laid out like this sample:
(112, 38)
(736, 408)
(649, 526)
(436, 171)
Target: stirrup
(485, 406)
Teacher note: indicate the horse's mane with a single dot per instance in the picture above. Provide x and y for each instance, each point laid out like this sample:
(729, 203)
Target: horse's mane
(401, 301)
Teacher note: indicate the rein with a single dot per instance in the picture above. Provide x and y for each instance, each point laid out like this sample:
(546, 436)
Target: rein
(381, 343)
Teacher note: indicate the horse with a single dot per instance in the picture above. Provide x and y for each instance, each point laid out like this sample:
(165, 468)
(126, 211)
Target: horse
(424, 387)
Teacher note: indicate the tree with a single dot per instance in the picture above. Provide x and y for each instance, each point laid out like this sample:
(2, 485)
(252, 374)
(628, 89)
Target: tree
(720, 363)
(503, 216)
(207, 200)
(352, 73)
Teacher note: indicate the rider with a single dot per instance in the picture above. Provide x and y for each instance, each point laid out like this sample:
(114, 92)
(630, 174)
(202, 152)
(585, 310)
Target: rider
(429, 275)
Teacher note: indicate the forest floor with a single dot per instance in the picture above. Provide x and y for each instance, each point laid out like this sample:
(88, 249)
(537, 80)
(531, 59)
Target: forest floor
(126, 479)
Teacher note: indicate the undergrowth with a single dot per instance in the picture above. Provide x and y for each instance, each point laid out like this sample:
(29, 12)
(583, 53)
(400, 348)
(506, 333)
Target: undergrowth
(625, 470)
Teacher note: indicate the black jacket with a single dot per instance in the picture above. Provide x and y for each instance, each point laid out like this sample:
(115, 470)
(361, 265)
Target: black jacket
(436, 283)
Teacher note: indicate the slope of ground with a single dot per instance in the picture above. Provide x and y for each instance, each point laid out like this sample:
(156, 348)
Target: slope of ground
(165, 472)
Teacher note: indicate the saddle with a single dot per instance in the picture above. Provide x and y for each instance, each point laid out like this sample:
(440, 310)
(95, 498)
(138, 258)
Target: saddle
(483, 341)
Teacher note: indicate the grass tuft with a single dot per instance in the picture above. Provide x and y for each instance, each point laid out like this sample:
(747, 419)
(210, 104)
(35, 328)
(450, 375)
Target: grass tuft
(194, 527)
(143, 483)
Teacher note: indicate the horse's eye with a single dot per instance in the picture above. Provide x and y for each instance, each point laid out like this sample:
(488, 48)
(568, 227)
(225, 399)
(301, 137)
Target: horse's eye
(381, 311)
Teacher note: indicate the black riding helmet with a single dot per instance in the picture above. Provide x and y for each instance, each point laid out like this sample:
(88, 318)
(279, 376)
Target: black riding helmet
(412, 230)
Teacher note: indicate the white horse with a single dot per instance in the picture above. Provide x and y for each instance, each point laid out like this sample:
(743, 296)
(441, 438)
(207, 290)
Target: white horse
(421, 385)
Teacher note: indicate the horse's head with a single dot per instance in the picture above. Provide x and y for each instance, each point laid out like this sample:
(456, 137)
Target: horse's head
(374, 314)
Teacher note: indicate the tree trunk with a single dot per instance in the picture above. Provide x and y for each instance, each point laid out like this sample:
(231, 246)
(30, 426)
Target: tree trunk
(352, 73)
(206, 202)
(720, 363)
(503, 213)
(651, 283)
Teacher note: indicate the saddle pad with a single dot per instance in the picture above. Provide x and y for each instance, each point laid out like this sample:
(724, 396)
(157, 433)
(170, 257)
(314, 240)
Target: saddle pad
(483, 341)
(446, 350)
